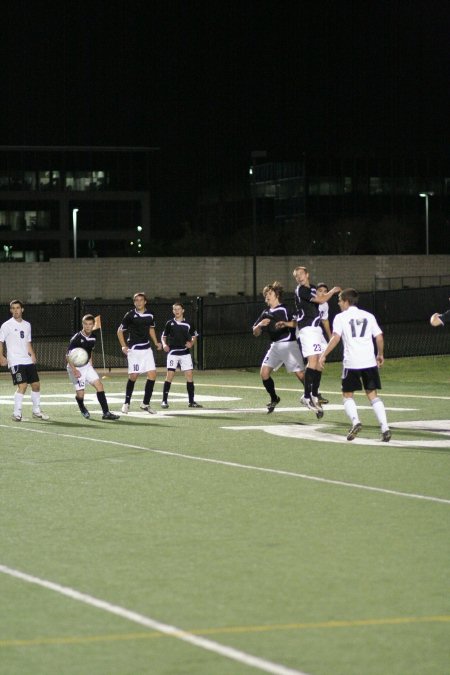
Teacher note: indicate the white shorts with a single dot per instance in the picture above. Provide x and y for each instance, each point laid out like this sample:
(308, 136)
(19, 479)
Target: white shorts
(182, 360)
(312, 340)
(140, 361)
(284, 353)
(87, 374)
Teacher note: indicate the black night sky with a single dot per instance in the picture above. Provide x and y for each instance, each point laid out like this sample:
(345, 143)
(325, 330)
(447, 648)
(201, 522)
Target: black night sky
(209, 82)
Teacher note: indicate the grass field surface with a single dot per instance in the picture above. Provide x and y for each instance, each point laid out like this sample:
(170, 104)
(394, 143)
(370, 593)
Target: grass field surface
(223, 540)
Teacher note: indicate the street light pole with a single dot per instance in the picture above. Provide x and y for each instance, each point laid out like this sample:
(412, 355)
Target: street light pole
(74, 221)
(426, 196)
(255, 154)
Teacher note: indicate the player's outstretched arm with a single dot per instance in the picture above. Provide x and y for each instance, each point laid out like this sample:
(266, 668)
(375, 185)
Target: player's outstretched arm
(436, 320)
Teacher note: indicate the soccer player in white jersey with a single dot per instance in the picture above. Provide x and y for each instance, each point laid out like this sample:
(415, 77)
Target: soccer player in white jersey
(177, 339)
(321, 290)
(284, 349)
(21, 360)
(358, 328)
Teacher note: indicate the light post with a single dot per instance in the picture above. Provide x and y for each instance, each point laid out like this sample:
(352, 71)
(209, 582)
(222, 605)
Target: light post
(426, 196)
(74, 221)
(254, 155)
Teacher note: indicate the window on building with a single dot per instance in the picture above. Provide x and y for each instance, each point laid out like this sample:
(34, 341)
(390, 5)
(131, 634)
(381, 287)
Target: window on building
(329, 185)
(49, 180)
(86, 180)
(380, 186)
(27, 221)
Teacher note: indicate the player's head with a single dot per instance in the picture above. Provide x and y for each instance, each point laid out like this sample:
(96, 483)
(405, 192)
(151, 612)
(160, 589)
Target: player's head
(16, 308)
(349, 295)
(140, 301)
(276, 288)
(322, 288)
(88, 322)
(178, 309)
(300, 274)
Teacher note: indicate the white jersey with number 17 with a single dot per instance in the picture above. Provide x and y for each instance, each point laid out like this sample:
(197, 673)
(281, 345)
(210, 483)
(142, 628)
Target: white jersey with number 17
(357, 328)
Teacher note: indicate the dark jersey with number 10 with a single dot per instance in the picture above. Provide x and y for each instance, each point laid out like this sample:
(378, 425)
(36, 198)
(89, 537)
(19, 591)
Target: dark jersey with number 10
(137, 325)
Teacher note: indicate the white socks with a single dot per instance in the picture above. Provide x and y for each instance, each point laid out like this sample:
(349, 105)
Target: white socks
(351, 410)
(18, 398)
(36, 401)
(380, 412)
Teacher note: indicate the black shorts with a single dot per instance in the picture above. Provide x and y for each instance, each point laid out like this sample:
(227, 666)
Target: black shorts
(352, 378)
(21, 374)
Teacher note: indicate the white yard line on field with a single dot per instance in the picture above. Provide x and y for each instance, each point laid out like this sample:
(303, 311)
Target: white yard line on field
(148, 622)
(235, 465)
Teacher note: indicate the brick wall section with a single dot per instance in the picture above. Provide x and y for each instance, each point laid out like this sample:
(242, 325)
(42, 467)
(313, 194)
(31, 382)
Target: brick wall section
(114, 278)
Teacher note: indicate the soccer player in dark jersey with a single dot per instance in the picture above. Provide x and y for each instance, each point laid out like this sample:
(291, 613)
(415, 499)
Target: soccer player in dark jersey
(309, 333)
(139, 325)
(178, 338)
(283, 349)
(79, 376)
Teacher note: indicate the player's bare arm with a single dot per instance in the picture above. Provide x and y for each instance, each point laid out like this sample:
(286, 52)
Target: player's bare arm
(286, 324)
(335, 339)
(436, 320)
(257, 328)
(327, 329)
(122, 342)
(3, 359)
(380, 349)
(31, 352)
(326, 296)
(154, 339)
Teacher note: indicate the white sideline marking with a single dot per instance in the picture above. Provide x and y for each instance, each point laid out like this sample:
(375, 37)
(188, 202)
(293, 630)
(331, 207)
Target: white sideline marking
(172, 631)
(315, 432)
(221, 462)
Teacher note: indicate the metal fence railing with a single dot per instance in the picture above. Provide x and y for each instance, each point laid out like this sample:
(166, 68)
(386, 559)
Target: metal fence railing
(225, 335)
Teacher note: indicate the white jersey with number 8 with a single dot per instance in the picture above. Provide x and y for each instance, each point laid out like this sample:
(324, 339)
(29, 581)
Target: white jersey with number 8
(357, 328)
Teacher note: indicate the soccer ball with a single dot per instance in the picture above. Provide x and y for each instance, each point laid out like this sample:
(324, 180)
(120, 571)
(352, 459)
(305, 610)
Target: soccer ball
(78, 357)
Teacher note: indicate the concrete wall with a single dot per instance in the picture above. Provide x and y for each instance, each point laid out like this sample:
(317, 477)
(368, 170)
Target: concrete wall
(114, 278)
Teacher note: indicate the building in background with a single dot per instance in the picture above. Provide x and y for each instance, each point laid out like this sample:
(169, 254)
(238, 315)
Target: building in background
(73, 202)
(325, 205)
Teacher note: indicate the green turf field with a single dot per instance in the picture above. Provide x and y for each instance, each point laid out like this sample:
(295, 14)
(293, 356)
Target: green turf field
(226, 541)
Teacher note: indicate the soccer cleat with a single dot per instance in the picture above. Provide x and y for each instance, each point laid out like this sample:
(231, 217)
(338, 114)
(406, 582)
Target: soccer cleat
(16, 418)
(194, 404)
(304, 400)
(125, 408)
(322, 400)
(354, 431)
(86, 414)
(164, 404)
(316, 404)
(146, 407)
(110, 416)
(272, 404)
(386, 436)
(40, 416)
